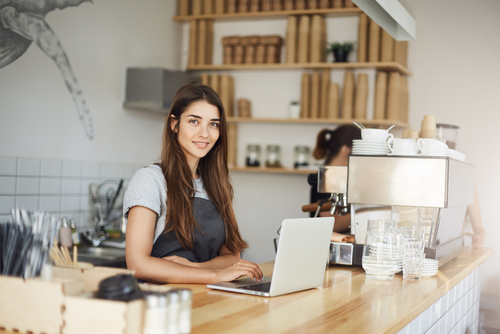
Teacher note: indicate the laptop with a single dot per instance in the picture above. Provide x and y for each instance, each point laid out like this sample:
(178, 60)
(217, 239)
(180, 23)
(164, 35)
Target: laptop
(300, 263)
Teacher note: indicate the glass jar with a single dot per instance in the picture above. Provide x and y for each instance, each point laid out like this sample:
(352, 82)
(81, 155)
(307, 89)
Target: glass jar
(253, 156)
(301, 156)
(273, 156)
(382, 250)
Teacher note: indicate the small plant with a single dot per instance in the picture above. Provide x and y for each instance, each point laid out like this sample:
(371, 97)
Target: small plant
(294, 103)
(340, 50)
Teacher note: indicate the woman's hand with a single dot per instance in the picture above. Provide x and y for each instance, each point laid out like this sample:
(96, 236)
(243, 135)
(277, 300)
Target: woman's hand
(181, 260)
(240, 268)
(478, 238)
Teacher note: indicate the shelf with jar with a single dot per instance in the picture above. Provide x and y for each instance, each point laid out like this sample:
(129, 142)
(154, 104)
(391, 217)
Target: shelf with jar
(304, 46)
(261, 9)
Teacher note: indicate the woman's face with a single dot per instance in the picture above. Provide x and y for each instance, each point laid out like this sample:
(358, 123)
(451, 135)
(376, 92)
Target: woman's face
(198, 130)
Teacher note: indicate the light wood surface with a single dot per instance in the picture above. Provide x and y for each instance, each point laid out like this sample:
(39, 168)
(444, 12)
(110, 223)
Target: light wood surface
(387, 66)
(347, 303)
(374, 123)
(272, 14)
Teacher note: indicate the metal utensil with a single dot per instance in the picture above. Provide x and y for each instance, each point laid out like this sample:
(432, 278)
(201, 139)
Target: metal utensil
(391, 127)
(359, 125)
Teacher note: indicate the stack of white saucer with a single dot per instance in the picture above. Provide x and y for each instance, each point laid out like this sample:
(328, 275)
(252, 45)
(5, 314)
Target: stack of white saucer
(369, 147)
(430, 267)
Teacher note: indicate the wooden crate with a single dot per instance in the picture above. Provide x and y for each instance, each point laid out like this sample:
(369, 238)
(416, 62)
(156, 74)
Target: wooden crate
(84, 315)
(33, 305)
(89, 276)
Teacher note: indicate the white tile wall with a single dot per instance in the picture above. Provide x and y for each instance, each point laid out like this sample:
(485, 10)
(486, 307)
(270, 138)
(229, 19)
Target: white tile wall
(455, 312)
(8, 166)
(56, 186)
(7, 185)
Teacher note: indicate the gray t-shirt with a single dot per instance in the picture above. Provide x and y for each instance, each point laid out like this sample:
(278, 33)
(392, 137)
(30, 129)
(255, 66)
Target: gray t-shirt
(147, 188)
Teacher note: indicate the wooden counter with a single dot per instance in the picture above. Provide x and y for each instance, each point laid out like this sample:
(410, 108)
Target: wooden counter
(348, 303)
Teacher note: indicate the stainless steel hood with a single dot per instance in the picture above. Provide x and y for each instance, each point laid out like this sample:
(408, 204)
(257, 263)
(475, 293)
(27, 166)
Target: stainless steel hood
(391, 16)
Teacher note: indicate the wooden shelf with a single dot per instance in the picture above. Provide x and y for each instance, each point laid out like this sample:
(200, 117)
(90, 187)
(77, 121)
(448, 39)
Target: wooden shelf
(275, 170)
(385, 66)
(386, 122)
(272, 14)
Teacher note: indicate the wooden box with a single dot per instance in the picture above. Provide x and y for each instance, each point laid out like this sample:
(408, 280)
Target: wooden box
(87, 314)
(33, 305)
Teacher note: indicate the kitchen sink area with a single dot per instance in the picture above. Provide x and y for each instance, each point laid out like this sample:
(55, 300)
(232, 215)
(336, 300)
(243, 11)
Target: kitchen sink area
(102, 256)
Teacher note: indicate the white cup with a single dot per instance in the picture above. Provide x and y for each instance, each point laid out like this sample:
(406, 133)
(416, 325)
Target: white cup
(432, 147)
(380, 135)
(400, 146)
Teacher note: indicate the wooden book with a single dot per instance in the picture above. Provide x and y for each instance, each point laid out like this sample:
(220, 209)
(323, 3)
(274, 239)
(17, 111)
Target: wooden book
(220, 6)
(315, 94)
(333, 101)
(193, 42)
(214, 82)
(196, 7)
(231, 97)
(260, 54)
(387, 47)
(255, 5)
(202, 42)
(337, 3)
(374, 42)
(289, 5)
(325, 89)
(243, 6)
(277, 5)
(305, 95)
(239, 54)
(300, 4)
(404, 100)
(183, 7)
(380, 96)
(232, 6)
(312, 4)
(272, 54)
(317, 48)
(361, 96)
(324, 38)
(204, 79)
(267, 5)
(349, 4)
(228, 54)
(393, 96)
(401, 52)
(208, 7)
(225, 91)
(250, 54)
(232, 144)
(291, 40)
(362, 37)
(244, 108)
(324, 4)
(210, 41)
(304, 38)
(348, 95)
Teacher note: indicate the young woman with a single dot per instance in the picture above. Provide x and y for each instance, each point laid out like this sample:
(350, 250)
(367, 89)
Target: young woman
(181, 226)
(335, 146)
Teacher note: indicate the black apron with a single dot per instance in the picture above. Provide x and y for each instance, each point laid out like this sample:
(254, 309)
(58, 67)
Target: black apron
(206, 245)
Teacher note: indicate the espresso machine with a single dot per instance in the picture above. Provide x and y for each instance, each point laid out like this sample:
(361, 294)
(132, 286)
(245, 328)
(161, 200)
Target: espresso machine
(432, 191)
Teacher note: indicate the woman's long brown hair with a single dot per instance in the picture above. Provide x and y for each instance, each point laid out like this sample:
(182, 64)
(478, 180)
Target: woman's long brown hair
(212, 168)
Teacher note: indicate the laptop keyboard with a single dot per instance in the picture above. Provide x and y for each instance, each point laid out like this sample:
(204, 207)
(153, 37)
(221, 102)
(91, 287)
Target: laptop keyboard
(261, 287)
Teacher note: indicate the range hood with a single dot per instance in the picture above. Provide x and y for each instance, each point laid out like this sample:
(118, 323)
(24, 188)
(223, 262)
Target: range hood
(153, 89)
(391, 16)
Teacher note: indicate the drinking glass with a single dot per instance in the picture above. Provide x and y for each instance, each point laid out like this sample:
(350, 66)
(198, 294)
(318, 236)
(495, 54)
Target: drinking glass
(412, 251)
(381, 252)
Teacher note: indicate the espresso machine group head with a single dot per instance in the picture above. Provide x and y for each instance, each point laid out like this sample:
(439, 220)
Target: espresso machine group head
(331, 180)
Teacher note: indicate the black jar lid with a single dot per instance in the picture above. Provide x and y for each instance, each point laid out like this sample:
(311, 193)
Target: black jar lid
(120, 287)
